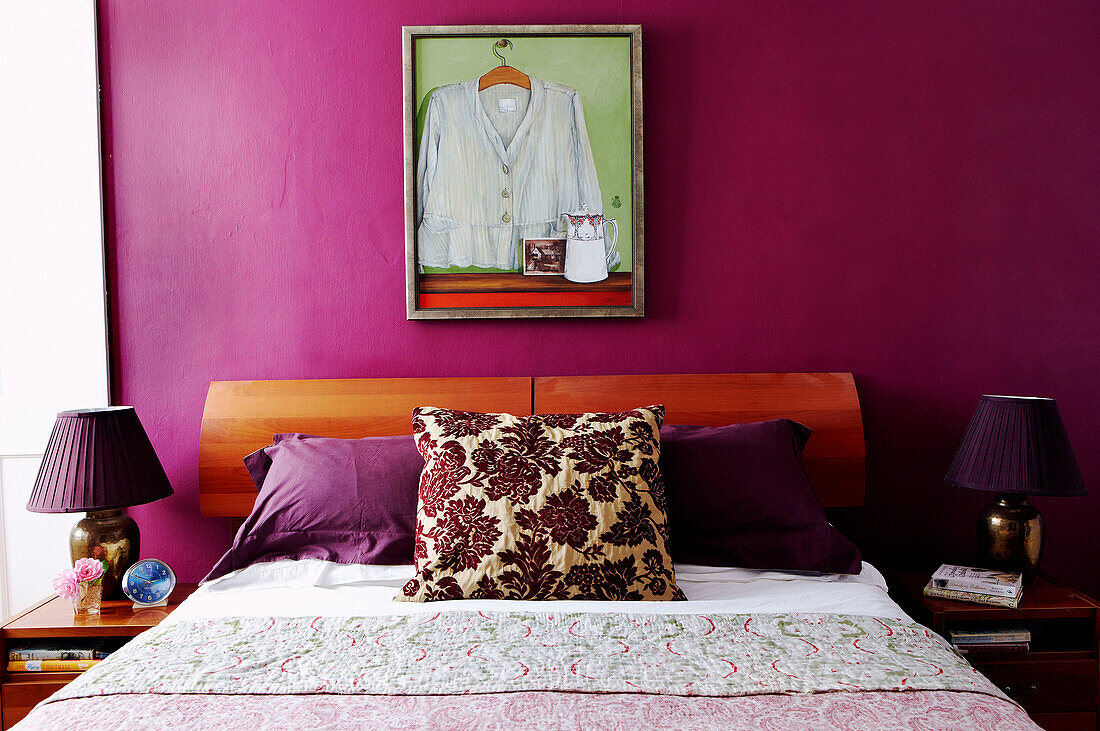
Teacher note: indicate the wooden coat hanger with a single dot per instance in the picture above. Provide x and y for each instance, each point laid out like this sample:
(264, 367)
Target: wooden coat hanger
(503, 74)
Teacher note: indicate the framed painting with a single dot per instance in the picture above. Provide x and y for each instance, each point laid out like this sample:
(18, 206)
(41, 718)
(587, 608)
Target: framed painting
(523, 156)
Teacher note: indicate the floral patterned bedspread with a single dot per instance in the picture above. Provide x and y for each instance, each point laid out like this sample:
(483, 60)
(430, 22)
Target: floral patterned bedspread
(453, 653)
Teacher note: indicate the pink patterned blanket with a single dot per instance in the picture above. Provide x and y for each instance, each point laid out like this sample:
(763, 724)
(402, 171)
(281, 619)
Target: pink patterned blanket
(923, 710)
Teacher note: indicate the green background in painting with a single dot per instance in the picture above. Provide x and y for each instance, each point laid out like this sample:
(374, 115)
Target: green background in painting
(598, 67)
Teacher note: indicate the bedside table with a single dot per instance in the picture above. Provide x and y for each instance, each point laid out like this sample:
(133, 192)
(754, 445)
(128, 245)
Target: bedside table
(53, 618)
(1058, 680)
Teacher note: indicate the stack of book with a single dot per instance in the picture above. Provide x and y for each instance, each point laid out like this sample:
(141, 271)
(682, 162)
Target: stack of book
(993, 640)
(965, 584)
(61, 656)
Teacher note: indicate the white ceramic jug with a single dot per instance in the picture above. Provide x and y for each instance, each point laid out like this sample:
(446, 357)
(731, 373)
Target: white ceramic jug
(586, 252)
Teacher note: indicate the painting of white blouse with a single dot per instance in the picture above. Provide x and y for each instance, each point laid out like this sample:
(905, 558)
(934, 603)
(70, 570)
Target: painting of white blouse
(499, 165)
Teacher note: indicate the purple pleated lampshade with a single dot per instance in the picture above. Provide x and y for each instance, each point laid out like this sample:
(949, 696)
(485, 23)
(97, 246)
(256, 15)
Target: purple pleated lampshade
(98, 459)
(1017, 444)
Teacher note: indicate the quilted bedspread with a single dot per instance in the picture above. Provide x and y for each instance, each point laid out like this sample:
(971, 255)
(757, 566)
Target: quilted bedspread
(464, 652)
(512, 670)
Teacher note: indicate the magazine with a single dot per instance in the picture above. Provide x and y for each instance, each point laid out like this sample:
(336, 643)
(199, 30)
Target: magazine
(990, 635)
(930, 589)
(978, 581)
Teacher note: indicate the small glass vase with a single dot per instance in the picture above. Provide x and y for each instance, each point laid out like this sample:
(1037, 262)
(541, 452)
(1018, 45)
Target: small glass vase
(88, 601)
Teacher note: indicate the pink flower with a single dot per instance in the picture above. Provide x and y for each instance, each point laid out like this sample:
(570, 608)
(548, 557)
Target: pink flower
(66, 585)
(88, 569)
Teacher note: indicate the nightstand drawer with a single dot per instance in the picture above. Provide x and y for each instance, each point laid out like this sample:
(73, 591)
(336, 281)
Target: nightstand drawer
(18, 698)
(1061, 685)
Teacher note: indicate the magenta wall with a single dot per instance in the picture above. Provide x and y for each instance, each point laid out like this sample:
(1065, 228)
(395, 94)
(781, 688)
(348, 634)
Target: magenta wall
(908, 192)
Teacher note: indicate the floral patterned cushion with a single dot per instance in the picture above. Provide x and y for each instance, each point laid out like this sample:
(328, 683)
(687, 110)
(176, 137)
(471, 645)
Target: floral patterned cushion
(559, 506)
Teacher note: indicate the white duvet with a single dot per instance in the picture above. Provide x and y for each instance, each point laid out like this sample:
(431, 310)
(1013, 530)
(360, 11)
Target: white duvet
(322, 588)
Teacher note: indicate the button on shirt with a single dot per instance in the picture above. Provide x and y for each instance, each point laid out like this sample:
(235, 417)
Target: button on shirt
(497, 166)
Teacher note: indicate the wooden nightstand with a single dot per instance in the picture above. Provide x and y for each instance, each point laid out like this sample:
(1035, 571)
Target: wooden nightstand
(53, 618)
(1058, 680)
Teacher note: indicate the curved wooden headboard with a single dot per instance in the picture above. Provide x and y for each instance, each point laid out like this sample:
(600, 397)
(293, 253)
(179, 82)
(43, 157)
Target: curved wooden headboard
(241, 416)
(825, 402)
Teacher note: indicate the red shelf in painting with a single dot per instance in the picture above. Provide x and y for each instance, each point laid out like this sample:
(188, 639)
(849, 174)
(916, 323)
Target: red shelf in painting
(518, 290)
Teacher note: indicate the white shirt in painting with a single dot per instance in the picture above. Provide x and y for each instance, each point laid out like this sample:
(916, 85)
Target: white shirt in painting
(497, 166)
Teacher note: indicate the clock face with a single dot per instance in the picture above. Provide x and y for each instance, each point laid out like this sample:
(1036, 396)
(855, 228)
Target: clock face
(149, 581)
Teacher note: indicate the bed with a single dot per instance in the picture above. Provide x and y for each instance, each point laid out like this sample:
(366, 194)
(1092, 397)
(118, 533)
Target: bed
(315, 642)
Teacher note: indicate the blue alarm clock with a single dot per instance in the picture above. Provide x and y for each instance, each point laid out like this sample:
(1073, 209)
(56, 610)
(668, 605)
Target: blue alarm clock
(149, 582)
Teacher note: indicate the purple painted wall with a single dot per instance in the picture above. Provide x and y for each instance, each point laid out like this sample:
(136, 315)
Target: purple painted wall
(908, 192)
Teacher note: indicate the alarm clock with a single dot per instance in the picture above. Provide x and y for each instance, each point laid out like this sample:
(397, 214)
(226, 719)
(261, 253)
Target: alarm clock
(148, 583)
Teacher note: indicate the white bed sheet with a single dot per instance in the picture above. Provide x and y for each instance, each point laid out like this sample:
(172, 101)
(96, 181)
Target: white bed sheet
(321, 588)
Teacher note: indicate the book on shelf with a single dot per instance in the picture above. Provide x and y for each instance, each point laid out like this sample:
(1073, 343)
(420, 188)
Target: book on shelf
(978, 581)
(50, 666)
(993, 648)
(931, 590)
(72, 649)
(989, 636)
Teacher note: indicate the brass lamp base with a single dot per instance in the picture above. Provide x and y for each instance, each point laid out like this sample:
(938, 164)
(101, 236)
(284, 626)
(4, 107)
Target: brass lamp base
(1010, 535)
(111, 536)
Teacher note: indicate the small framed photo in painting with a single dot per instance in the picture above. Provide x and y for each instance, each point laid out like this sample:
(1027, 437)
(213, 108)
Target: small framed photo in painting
(523, 144)
(544, 256)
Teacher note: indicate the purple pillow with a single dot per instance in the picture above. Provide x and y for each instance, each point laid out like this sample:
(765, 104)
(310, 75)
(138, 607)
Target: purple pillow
(343, 500)
(738, 496)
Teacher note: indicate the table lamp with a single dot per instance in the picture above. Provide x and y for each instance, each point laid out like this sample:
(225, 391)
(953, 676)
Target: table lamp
(1015, 446)
(100, 461)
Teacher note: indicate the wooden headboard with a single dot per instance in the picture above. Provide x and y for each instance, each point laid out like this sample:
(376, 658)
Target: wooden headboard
(241, 416)
(825, 402)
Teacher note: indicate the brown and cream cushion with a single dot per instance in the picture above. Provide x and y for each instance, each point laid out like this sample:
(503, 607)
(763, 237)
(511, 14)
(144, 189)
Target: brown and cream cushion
(559, 506)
